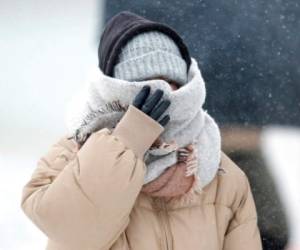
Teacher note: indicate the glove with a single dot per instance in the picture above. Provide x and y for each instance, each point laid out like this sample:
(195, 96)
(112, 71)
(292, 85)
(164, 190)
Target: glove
(143, 101)
(151, 104)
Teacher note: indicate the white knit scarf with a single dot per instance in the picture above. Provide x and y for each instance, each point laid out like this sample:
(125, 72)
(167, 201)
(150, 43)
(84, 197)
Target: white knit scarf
(105, 99)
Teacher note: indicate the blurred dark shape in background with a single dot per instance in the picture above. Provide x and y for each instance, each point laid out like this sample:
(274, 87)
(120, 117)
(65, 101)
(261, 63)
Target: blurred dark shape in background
(249, 54)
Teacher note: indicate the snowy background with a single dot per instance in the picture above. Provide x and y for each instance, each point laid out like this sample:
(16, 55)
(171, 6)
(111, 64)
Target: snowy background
(249, 55)
(46, 48)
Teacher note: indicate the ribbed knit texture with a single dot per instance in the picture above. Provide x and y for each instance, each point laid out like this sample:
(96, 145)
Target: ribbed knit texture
(149, 55)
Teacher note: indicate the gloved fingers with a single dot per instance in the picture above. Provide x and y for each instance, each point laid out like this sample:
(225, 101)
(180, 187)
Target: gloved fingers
(152, 101)
(164, 120)
(140, 98)
(160, 109)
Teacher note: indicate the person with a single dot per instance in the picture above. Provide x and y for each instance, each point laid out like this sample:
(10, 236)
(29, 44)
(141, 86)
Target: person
(141, 166)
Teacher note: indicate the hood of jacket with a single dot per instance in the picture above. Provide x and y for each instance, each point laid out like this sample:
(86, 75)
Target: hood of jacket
(121, 28)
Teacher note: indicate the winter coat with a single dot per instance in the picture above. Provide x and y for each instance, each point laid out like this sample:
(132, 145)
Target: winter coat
(90, 199)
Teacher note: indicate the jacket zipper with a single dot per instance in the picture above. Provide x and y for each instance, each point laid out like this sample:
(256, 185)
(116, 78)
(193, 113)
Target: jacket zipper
(165, 225)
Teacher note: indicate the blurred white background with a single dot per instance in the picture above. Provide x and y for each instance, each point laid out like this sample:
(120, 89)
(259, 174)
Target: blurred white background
(46, 48)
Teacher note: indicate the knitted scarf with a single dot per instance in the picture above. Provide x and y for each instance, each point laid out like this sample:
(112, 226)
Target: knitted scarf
(104, 100)
(175, 181)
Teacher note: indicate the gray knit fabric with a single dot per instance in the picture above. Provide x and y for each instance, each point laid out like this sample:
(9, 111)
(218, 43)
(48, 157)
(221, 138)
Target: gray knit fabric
(148, 55)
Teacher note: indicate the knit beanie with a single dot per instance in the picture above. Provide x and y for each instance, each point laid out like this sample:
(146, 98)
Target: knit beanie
(149, 55)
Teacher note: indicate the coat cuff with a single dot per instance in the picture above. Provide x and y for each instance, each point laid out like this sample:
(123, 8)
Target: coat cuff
(137, 130)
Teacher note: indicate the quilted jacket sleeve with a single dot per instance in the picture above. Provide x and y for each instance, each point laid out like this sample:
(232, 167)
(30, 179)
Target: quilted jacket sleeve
(243, 232)
(81, 199)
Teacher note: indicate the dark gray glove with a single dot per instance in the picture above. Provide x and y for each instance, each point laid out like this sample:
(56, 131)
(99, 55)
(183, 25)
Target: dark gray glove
(151, 106)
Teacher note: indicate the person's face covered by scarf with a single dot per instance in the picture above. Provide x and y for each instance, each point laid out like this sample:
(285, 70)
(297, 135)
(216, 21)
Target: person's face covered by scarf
(174, 85)
(159, 58)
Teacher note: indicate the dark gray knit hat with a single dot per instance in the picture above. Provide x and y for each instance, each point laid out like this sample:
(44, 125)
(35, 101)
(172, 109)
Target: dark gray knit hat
(124, 27)
(149, 55)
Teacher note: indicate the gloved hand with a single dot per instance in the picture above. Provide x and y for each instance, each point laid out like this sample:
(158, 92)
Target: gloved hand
(151, 105)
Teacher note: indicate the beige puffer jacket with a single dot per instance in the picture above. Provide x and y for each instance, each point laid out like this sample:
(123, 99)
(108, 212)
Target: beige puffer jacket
(89, 199)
